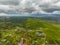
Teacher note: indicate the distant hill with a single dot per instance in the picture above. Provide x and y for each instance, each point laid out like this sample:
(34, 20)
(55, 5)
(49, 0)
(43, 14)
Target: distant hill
(50, 17)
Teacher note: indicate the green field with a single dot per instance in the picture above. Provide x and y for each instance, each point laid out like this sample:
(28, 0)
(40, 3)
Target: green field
(31, 32)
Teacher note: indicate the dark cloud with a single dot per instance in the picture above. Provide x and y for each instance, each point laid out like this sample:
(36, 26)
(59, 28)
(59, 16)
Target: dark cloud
(9, 2)
(50, 10)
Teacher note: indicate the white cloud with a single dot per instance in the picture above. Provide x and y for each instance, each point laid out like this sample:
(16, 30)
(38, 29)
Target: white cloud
(3, 14)
(56, 12)
(57, 4)
(41, 6)
(4, 7)
(29, 6)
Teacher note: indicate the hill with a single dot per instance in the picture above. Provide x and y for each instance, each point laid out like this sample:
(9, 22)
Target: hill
(34, 32)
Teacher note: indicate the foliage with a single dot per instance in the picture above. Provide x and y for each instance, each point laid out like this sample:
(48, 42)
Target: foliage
(37, 31)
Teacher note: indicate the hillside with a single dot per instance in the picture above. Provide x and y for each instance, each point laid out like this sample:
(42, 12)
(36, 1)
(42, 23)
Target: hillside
(33, 31)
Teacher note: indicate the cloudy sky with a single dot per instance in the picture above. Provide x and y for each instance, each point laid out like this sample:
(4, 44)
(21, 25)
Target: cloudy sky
(29, 7)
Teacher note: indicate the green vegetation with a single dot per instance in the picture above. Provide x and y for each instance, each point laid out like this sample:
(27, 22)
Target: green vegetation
(33, 31)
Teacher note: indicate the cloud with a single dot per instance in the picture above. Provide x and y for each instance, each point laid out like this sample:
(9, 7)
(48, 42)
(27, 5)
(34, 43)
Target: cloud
(9, 2)
(56, 12)
(3, 14)
(57, 4)
(42, 6)
(29, 6)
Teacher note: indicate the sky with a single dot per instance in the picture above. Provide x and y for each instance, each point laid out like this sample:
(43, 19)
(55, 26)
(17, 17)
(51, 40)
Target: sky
(20, 7)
